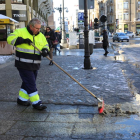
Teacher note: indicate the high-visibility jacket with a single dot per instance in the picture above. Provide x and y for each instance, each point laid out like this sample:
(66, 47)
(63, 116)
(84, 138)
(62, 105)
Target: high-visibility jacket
(27, 57)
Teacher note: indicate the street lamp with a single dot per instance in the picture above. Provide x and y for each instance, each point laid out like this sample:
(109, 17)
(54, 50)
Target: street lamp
(60, 11)
(87, 64)
(63, 40)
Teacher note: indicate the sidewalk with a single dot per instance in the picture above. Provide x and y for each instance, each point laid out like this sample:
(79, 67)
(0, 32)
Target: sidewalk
(72, 113)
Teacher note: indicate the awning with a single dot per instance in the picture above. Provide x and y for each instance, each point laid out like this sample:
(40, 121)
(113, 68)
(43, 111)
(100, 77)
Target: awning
(57, 31)
(3, 19)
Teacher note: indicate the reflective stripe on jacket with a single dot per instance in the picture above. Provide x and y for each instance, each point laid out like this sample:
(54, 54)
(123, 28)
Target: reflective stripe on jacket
(27, 57)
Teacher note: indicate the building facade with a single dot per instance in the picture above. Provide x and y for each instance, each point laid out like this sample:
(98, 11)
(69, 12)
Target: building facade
(128, 15)
(24, 10)
(122, 15)
(108, 8)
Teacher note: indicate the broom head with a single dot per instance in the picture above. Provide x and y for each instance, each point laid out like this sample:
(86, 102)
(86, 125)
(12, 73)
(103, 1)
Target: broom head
(101, 107)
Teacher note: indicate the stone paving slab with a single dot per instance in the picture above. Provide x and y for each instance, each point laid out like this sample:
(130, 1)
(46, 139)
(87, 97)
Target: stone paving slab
(11, 137)
(5, 125)
(41, 129)
(63, 122)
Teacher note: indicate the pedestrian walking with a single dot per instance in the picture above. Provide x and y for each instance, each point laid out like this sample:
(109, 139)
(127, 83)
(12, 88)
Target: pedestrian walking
(50, 36)
(105, 42)
(28, 61)
(58, 41)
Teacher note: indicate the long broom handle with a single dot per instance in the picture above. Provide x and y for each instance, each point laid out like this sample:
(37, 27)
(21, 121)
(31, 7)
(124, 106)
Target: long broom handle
(69, 75)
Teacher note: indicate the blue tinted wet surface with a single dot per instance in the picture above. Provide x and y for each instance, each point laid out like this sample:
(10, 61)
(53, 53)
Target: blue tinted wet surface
(131, 128)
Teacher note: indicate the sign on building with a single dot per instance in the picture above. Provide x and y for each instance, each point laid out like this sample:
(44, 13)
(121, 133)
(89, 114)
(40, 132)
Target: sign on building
(19, 15)
(90, 4)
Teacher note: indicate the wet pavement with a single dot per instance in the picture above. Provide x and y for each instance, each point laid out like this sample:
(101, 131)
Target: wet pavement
(72, 113)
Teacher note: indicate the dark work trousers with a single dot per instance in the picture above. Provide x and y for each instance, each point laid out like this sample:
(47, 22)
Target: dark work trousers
(28, 80)
(105, 48)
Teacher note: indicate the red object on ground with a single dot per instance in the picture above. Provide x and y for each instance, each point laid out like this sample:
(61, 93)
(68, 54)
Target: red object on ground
(101, 109)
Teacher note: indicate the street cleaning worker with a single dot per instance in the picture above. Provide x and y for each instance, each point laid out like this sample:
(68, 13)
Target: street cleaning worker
(28, 61)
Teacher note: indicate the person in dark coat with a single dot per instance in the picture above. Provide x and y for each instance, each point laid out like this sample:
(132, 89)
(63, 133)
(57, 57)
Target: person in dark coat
(50, 36)
(105, 42)
(59, 40)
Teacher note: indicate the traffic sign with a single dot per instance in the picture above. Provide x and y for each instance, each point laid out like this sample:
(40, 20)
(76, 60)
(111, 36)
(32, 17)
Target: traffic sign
(90, 4)
(80, 17)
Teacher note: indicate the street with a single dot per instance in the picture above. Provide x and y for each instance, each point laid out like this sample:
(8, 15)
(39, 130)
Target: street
(72, 113)
(129, 58)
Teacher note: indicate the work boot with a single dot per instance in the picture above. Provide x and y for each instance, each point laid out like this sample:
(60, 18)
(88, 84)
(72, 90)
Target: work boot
(51, 63)
(39, 107)
(24, 103)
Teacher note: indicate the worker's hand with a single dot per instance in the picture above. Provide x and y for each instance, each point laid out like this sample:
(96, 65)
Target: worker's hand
(28, 41)
(45, 52)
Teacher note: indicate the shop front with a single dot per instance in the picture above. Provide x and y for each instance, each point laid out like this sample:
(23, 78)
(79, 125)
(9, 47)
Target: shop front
(138, 29)
(111, 28)
(20, 16)
(6, 27)
(125, 28)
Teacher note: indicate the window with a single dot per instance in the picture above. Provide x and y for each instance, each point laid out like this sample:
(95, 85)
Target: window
(126, 17)
(110, 9)
(17, 1)
(2, 1)
(125, 5)
(111, 18)
(138, 15)
(120, 16)
(138, 5)
(119, 6)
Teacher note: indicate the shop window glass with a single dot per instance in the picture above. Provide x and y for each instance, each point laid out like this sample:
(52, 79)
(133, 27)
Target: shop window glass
(125, 28)
(120, 27)
(3, 33)
(2, 1)
(16, 1)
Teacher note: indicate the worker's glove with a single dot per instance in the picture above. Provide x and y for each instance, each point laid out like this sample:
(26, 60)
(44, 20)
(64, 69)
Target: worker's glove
(45, 52)
(20, 40)
(28, 41)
